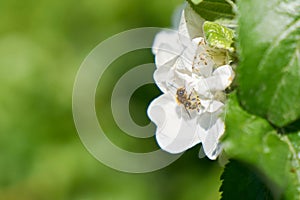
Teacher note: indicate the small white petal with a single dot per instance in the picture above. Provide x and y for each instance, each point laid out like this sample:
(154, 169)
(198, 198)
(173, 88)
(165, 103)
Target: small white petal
(191, 23)
(161, 77)
(166, 55)
(165, 37)
(175, 132)
(168, 79)
(166, 48)
(225, 69)
(205, 122)
(187, 58)
(215, 152)
(203, 88)
(221, 78)
(183, 64)
(211, 105)
(210, 130)
(201, 69)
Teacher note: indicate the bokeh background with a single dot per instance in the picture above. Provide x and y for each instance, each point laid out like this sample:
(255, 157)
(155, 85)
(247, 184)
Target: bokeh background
(42, 44)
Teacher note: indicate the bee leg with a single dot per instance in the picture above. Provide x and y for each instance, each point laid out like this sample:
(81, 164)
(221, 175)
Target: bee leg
(190, 96)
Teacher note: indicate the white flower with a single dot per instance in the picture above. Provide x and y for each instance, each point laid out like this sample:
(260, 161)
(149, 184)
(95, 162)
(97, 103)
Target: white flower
(180, 128)
(188, 111)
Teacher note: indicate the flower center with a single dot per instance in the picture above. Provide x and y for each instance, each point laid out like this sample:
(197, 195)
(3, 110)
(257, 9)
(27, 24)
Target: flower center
(202, 59)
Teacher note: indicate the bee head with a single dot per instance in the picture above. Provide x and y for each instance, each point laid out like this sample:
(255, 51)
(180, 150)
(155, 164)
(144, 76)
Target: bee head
(181, 92)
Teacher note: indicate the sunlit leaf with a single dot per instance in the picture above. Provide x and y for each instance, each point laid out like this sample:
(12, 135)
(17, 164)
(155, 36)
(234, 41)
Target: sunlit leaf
(213, 9)
(269, 68)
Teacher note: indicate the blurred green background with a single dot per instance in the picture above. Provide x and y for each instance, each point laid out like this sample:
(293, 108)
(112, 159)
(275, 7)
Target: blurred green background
(42, 44)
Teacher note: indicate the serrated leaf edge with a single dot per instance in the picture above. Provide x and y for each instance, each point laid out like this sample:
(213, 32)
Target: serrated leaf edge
(295, 159)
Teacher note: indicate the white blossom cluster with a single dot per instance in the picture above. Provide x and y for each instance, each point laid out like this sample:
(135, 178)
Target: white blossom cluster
(192, 77)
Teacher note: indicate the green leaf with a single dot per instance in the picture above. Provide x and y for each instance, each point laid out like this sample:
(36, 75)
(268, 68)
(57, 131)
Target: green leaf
(252, 140)
(293, 141)
(269, 68)
(218, 36)
(241, 182)
(212, 9)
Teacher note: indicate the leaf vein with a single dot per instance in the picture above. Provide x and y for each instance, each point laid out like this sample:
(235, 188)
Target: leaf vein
(281, 82)
(293, 26)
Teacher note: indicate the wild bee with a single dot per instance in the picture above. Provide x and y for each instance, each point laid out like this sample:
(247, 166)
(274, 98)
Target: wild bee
(189, 101)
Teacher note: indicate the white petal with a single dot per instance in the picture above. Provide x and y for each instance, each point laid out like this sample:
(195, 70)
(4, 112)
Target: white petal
(210, 130)
(168, 79)
(165, 37)
(162, 76)
(225, 70)
(211, 105)
(190, 49)
(205, 122)
(166, 57)
(183, 64)
(175, 132)
(221, 78)
(167, 48)
(191, 23)
(203, 88)
(211, 144)
(202, 69)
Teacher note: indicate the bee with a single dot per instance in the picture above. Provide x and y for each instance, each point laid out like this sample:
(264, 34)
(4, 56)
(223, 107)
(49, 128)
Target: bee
(189, 101)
